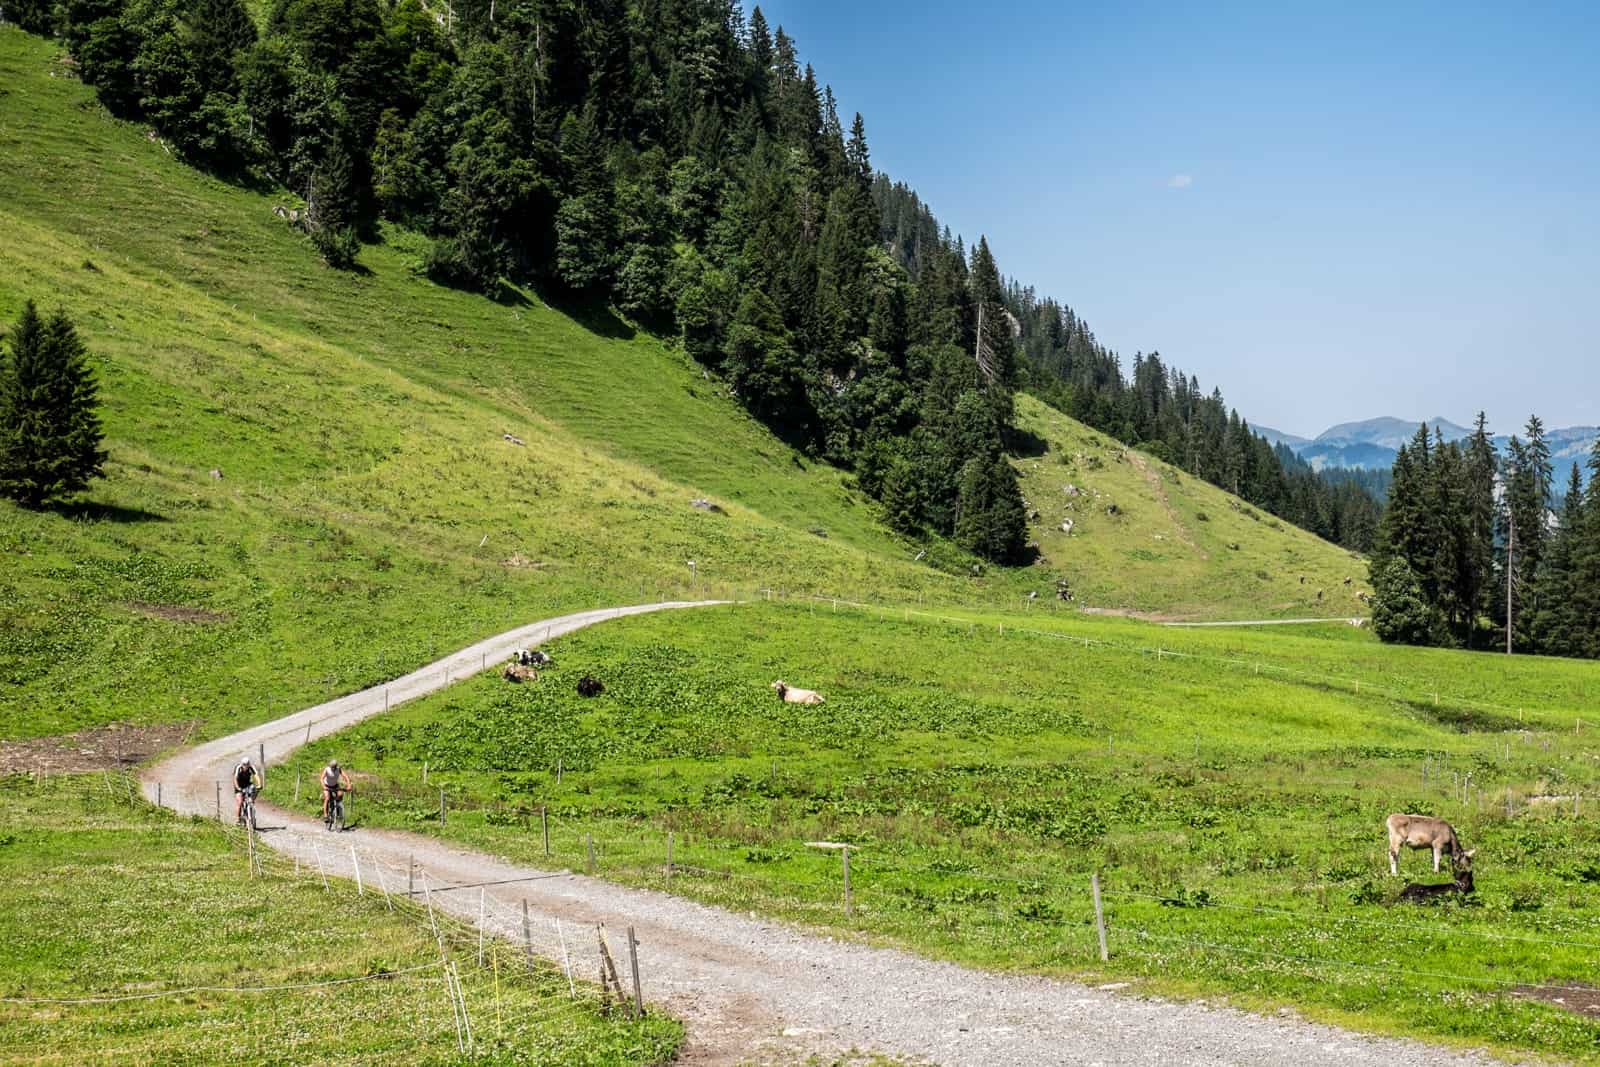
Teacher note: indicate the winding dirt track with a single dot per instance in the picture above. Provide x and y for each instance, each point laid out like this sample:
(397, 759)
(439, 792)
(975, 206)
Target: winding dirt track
(756, 991)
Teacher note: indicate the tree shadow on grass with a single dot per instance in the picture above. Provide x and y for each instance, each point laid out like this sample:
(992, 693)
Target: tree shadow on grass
(96, 511)
(1025, 444)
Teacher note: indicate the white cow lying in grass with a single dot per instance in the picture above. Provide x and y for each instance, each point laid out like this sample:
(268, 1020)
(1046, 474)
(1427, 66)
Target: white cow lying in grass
(790, 695)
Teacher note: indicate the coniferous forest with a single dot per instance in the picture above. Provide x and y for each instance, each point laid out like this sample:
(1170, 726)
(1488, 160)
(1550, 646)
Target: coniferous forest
(677, 162)
(1470, 534)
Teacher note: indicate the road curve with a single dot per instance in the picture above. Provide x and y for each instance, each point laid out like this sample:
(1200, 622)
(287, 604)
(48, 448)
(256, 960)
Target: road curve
(753, 991)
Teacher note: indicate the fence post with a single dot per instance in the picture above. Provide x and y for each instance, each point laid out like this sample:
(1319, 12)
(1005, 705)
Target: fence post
(1099, 915)
(846, 855)
(317, 850)
(481, 901)
(261, 755)
(297, 787)
(411, 876)
(588, 840)
(566, 962)
(377, 865)
(308, 733)
(544, 824)
(356, 864)
(424, 772)
(219, 801)
(669, 859)
(158, 789)
(441, 807)
(527, 935)
(633, 961)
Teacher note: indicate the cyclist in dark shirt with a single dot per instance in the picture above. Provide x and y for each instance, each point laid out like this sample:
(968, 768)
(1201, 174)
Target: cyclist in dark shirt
(245, 776)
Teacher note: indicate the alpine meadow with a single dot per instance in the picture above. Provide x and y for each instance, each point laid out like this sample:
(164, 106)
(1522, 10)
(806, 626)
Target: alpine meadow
(734, 613)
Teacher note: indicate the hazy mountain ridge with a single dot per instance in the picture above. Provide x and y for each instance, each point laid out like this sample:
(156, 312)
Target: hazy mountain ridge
(1371, 444)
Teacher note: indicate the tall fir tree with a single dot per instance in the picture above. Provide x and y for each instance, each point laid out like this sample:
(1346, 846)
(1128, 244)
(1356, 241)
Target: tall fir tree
(50, 432)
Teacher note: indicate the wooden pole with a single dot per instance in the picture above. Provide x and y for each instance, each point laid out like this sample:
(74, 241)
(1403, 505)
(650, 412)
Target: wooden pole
(441, 807)
(845, 852)
(261, 757)
(1099, 916)
(219, 801)
(544, 825)
(588, 840)
(1511, 566)
(633, 962)
(297, 787)
(158, 789)
(527, 935)
(411, 876)
(669, 859)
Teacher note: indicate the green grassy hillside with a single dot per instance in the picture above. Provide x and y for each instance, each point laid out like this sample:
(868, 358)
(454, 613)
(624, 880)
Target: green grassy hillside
(1146, 536)
(370, 512)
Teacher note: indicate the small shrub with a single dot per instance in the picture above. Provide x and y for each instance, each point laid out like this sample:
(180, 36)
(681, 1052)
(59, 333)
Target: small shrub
(1526, 896)
(1041, 911)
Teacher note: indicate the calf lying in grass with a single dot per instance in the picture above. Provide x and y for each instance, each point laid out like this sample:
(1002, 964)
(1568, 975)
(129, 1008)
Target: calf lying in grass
(1420, 893)
(791, 695)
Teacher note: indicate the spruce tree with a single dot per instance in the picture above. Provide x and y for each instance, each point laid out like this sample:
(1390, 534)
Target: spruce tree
(49, 429)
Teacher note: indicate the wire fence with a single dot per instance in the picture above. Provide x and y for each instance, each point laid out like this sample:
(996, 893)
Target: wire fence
(501, 971)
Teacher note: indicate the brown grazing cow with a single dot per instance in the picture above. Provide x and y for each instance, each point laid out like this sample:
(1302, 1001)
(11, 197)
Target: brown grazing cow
(1425, 831)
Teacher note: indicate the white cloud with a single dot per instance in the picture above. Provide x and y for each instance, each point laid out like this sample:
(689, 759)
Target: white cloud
(1180, 181)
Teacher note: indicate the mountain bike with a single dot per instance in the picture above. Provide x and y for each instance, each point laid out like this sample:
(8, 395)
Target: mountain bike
(334, 819)
(247, 809)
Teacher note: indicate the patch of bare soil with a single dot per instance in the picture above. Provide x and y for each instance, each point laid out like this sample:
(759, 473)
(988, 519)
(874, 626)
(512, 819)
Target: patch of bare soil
(1578, 999)
(99, 748)
(178, 613)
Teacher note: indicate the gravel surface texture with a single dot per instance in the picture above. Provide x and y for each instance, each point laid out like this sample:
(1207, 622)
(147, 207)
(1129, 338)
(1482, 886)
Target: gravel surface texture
(750, 990)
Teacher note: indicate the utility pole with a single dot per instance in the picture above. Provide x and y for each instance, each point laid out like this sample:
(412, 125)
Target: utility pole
(1511, 555)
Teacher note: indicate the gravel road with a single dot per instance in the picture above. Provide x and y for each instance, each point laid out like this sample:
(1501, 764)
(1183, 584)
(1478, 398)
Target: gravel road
(752, 991)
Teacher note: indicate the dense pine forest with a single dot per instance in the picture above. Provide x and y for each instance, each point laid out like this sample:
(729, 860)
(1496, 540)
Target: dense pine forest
(1471, 535)
(677, 162)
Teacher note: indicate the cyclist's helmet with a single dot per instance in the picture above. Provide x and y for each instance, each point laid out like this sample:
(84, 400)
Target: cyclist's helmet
(333, 763)
(245, 762)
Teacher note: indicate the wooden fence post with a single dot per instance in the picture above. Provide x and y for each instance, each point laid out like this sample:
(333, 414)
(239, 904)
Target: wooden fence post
(527, 936)
(588, 840)
(846, 854)
(1099, 916)
(411, 876)
(669, 859)
(633, 960)
(219, 801)
(544, 824)
(441, 807)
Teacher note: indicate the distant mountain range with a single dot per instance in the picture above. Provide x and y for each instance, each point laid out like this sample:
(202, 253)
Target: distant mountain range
(1372, 444)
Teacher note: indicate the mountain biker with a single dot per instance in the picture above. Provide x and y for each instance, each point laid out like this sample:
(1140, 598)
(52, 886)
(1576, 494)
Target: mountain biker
(334, 780)
(245, 776)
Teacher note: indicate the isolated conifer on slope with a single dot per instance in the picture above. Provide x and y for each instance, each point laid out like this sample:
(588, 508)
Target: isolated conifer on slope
(49, 431)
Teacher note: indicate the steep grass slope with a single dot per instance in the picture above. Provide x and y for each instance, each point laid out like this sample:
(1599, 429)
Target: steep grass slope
(1146, 536)
(369, 511)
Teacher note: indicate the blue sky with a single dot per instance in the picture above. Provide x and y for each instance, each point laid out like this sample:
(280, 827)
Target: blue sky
(1331, 211)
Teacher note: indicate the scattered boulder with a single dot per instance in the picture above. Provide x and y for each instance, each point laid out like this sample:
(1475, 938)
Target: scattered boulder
(1066, 526)
(703, 504)
(1071, 490)
(590, 686)
(216, 474)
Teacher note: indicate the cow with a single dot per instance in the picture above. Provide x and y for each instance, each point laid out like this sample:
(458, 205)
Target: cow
(790, 695)
(1425, 831)
(1422, 893)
